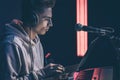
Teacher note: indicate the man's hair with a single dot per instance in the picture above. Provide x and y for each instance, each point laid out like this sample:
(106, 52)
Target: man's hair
(28, 6)
(37, 4)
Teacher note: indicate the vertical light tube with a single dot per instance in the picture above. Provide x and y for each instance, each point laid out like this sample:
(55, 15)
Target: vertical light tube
(82, 42)
(81, 6)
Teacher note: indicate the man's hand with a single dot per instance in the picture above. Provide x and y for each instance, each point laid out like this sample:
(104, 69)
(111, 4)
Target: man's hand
(53, 69)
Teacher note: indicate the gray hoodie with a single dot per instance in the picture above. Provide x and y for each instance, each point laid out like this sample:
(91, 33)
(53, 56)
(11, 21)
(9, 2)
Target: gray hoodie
(21, 57)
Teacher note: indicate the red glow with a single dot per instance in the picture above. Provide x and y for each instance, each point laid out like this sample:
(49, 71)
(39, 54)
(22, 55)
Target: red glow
(81, 18)
(47, 55)
(96, 74)
(75, 75)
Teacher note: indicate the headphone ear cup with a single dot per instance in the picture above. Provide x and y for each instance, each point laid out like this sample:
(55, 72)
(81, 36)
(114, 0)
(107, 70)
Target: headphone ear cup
(34, 19)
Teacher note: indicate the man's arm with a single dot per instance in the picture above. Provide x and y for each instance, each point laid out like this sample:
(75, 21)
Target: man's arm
(12, 64)
(13, 68)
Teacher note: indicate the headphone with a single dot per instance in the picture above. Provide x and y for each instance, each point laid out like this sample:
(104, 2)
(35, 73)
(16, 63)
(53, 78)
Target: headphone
(34, 18)
(32, 10)
(31, 19)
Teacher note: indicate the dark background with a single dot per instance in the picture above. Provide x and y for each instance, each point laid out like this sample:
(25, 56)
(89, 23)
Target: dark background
(60, 41)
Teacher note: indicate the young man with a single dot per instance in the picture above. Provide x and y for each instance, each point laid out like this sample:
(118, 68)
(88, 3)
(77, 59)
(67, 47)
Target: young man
(21, 51)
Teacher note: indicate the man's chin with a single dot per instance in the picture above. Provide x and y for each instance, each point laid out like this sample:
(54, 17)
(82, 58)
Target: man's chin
(43, 33)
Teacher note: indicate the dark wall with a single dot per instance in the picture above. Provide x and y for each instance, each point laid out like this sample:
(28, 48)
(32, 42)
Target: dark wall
(9, 10)
(104, 13)
(60, 41)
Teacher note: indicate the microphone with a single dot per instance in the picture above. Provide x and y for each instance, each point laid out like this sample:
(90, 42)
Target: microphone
(103, 31)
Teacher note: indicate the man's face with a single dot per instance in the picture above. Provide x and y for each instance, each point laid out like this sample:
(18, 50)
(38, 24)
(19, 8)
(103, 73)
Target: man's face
(45, 22)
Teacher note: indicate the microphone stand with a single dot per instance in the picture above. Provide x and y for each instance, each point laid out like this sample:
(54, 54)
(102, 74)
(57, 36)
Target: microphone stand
(116, 66)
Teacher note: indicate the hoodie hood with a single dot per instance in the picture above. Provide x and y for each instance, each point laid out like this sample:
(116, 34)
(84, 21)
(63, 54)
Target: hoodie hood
(23, 55)
(16, 29)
